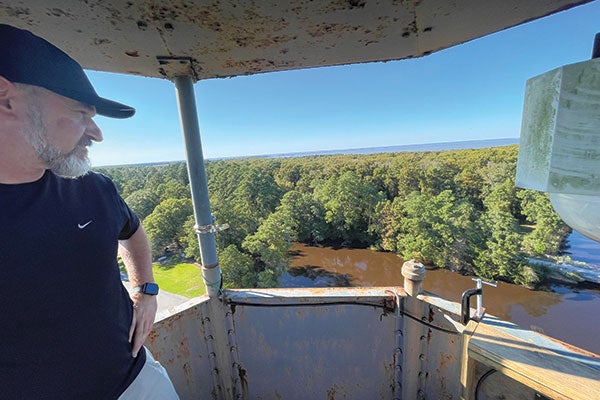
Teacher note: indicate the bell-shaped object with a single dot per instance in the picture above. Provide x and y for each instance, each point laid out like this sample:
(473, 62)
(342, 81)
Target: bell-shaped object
(559, 149)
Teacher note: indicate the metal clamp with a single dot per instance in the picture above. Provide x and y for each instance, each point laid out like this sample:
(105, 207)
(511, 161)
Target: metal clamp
(212, 228)
(479, 285)
(465, 309)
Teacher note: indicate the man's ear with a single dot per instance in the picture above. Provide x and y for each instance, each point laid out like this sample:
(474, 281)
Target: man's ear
(7, 93)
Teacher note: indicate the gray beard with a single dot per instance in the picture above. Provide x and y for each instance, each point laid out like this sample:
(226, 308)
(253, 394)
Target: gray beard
(67, 165)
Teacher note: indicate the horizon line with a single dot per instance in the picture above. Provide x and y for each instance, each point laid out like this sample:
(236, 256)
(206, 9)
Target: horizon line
(433, 146)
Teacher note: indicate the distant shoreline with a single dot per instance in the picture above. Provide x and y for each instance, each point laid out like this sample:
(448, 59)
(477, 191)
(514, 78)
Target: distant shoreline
(468, 144)
(463, 145)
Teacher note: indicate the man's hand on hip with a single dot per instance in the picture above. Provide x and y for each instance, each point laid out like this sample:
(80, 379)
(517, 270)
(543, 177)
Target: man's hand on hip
(144, 311)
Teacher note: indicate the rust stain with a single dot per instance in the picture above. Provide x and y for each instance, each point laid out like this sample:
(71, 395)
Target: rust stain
(153, 335)
(445, 358)
(261, 42)
(171, 321)
(325, 29)
(59, 12)
(183, 351)
(99, 41)
(187, 370)
(17, 11)
(244, 379)
(389, 304)
(257, 64)
(343, 5)
(331, 393)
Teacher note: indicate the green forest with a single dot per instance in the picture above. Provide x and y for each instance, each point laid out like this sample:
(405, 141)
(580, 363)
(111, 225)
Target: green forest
(458, 210)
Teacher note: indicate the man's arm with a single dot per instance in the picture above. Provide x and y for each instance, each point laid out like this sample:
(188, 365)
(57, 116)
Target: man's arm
(136, 255)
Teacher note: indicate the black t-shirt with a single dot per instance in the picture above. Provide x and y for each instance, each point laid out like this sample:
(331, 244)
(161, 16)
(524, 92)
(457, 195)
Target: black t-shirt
(64, 314)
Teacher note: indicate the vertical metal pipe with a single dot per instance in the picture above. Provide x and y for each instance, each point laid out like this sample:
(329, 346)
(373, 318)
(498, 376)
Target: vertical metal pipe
(413, 332)
(479, 286)
(413, 273)
(211, 272)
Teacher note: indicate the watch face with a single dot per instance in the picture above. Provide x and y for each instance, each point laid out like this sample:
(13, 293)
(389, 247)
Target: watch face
(150, 288)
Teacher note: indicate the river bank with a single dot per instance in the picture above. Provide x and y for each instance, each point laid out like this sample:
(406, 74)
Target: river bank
(568, 313)
(570, 272)
(578, 264)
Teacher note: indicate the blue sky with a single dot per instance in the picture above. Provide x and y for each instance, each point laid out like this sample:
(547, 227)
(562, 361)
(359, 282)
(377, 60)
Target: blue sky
(469, 92)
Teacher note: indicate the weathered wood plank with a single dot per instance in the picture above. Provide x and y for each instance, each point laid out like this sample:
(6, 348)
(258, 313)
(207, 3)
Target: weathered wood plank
(553, 374)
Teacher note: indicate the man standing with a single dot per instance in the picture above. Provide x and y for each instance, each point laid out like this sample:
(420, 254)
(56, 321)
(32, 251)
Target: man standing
(70, 330)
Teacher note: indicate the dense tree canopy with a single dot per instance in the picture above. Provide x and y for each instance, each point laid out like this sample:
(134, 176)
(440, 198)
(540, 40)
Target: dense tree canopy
(452, 209)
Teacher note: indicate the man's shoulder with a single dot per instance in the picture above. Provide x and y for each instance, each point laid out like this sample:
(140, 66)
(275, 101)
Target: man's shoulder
(90, 180)
(97, 177)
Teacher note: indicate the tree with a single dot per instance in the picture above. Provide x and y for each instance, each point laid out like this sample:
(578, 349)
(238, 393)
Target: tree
(550, 230)
(237, 268)
(165, 224)
(305, 215)
(434, 229)
(501, 257)
(270, 246)
(171, 189)
(142, 202)
(349, 204)
(189, 239)
(243, 196)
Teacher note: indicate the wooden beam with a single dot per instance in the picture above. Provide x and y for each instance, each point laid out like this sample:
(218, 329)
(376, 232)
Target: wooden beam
(554, 374)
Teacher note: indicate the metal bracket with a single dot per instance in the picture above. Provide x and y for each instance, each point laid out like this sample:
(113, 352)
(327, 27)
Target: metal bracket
(204, 229)
(171, 66)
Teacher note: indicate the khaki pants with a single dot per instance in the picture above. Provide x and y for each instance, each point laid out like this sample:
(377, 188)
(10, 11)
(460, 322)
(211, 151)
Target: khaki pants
(152, 383)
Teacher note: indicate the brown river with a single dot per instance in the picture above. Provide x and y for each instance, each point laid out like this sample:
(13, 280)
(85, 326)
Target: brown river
(569, 314)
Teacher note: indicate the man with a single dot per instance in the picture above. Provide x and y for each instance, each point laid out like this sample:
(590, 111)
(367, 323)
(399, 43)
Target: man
(70, 330)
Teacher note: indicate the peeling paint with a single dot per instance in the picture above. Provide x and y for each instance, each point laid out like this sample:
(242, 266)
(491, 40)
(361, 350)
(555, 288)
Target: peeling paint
(230, 38)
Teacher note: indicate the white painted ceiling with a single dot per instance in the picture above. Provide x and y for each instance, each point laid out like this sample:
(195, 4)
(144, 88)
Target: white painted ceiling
(222, 38)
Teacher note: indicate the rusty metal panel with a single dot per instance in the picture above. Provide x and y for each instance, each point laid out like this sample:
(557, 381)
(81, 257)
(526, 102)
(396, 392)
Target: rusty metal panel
(335, 343)
(316, 351)
(179, 343)
(208, 39)
(442, 356)
(442, 348)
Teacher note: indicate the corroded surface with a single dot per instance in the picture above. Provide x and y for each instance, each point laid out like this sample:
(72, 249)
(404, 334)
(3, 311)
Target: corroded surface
(307, 343)
(219, 38)
(335, 343)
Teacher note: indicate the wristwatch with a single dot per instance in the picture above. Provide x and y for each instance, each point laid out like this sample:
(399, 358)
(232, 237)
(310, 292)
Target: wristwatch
(149, 288)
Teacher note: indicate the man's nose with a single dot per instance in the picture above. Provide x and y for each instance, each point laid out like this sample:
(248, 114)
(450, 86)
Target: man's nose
(93, 131)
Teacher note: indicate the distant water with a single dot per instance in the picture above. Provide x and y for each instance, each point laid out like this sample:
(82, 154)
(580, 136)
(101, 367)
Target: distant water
(469, 144)
(583, 249)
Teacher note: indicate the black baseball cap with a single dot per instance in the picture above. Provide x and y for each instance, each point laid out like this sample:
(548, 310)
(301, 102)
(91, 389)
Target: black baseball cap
(29, 59)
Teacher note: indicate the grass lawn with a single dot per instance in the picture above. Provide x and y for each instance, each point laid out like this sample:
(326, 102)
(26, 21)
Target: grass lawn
(184, 279)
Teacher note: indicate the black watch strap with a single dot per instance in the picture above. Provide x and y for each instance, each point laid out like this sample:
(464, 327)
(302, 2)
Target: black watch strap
(149, 288)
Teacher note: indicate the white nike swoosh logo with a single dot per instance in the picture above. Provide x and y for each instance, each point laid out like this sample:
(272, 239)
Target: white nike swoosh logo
(84, 225)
